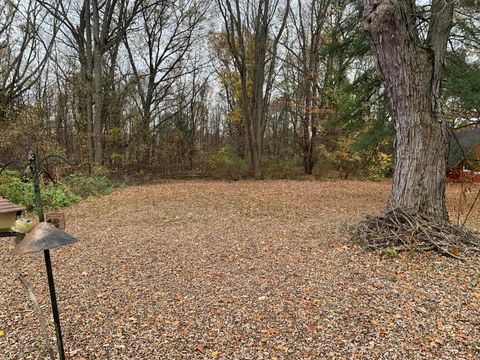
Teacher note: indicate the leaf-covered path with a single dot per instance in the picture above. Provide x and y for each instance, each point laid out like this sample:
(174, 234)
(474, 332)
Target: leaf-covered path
(241, 270)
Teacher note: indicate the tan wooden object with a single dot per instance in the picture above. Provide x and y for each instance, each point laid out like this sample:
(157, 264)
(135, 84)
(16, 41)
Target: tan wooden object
(8, 214)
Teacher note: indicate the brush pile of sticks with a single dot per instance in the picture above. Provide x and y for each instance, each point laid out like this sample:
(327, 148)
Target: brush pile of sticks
(405, 230)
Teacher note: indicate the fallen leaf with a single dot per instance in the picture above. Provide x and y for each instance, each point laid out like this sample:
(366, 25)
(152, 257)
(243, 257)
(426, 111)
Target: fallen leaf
(75, 352)
(454, 250)
(422, 310)
(215, 353)
(201, 347)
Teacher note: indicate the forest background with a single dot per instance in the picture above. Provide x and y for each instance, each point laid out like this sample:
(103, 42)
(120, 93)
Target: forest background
(136, 89)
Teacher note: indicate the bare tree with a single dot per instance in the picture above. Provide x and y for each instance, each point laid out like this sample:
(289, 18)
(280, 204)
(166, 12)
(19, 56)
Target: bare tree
(157, 58)
(253, 39)
(308, 19)
(110, 19)
(27, 37)
(93, 28)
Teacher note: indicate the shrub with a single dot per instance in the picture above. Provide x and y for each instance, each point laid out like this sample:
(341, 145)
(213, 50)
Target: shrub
(281, 167)
(58, 195)
(15, 189)
(20, 191)
(339, 160)
(225, 164)
(381, 167)
(390, 252)
(87, 185)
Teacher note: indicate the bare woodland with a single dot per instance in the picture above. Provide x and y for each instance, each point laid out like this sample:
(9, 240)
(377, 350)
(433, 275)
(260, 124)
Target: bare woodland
(250, 90)
(163, 86)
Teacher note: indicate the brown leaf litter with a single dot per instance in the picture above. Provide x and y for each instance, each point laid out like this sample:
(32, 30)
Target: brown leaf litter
(241, 270)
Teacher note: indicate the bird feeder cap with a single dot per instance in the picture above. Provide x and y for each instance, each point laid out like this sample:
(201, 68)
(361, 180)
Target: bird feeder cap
(43, 237)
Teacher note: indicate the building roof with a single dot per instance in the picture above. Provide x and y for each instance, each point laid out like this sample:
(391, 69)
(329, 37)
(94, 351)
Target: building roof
(7, 206)
(462, 144)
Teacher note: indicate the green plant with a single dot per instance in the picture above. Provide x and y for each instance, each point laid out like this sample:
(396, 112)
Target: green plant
(58, 195)
(16, 189)
(84, 185)
(390, 252)
(225, 164)
(20, 191)
(345, 227)
(274, 167)
(381, 167)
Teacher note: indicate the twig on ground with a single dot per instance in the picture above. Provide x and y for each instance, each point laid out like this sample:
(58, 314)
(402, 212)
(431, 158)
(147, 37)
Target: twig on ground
(29, 289)
(471, 208)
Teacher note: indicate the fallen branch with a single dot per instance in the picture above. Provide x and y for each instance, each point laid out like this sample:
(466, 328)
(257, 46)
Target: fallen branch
(43, 327)
(471, 207)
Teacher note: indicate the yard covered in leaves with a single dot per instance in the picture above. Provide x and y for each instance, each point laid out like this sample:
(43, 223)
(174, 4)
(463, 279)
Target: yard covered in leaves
(241, 270)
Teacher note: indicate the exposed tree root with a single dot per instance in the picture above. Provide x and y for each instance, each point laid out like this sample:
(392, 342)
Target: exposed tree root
(405, 230)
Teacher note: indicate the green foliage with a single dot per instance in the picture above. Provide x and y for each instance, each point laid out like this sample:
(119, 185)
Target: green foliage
(374, 136)
(58, 195)
(70, 191)
(380, 167)
(345, 227)
(359, 130)
(15, 189)
(225, 164)
(338, 158)
(390, 252)
(274, 167)
(350, 40)
(462, 85)
(20, 191)
(85, 186)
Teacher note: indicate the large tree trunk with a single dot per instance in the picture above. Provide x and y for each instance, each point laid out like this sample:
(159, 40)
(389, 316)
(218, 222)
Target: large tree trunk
(411, 72)
(309, 124)
(98, 81)
(87, 85)
(254, 146)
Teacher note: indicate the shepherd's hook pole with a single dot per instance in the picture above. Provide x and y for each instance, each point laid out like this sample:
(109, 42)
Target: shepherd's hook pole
(32, 160)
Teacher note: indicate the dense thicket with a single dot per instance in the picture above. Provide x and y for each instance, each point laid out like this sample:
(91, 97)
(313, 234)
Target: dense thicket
(197, 88)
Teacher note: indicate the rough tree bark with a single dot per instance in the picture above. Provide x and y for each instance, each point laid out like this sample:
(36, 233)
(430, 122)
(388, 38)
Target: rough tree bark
(411, 70)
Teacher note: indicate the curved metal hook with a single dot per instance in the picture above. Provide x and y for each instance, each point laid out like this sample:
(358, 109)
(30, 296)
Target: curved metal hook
(10, 163)
(57, 157)
(49, 176)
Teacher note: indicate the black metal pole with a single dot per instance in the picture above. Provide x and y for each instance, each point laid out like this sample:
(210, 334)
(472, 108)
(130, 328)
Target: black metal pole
(53, 298)
(48, 263)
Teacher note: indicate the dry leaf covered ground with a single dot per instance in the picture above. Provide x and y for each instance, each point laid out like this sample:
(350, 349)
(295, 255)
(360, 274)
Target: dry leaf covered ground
(241, 270)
